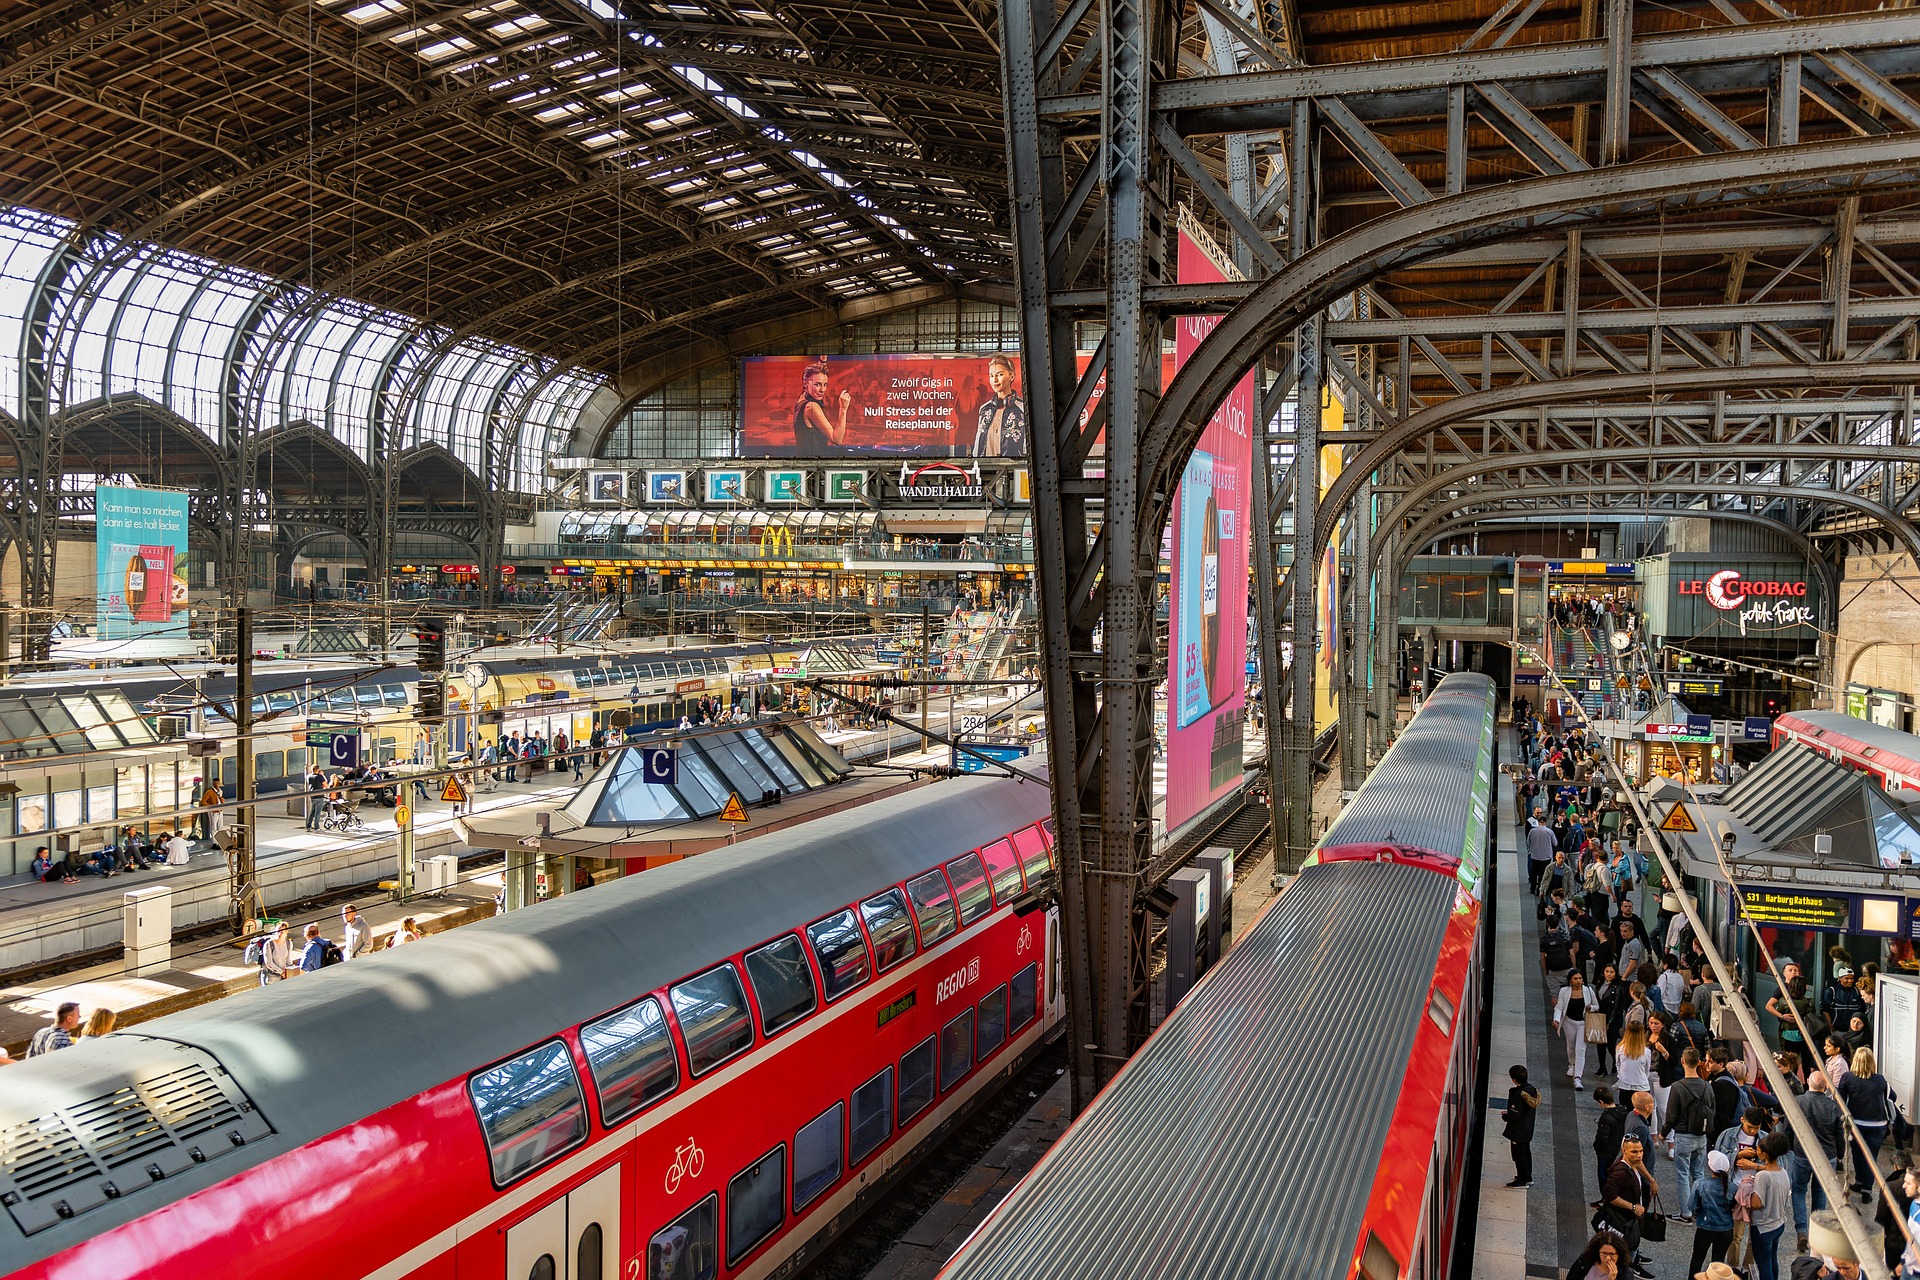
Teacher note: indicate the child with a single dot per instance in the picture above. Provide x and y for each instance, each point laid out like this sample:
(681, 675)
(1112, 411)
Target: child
(1522, 1101)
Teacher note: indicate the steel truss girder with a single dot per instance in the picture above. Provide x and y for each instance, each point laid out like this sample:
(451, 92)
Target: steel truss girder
(1427, 507)
(1433, 230)
(1535, 76)
(1587, 390)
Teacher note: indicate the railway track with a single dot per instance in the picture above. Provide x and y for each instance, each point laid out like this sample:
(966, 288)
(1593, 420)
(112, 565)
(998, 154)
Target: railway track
(862, 1245)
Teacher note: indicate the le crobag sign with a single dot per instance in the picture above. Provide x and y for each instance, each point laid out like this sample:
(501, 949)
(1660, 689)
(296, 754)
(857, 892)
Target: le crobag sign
(1763, 604)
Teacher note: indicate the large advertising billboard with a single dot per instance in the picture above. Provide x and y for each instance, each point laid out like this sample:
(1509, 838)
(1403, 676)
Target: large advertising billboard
(140, 553)
(1207, 581)
(931, 406)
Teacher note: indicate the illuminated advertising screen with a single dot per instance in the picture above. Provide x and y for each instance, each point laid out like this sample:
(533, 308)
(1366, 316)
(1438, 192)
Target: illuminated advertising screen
(1206, 672)
(140, 552)
(932, 406)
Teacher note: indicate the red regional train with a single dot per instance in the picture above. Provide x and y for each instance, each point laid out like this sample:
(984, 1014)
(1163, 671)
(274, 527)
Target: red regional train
(1889, 756)
(1311, 1108)
(699, 1073)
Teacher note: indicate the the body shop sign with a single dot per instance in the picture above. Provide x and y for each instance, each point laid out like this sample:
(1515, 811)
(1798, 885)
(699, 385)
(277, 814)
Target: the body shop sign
(1759, 604)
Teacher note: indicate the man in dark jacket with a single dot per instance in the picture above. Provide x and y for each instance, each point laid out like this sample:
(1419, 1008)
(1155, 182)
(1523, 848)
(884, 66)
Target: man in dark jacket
(1727, 1098)
(1843, 1003)
(1829, 1127)
(1523, 1101)
(1607, 1132)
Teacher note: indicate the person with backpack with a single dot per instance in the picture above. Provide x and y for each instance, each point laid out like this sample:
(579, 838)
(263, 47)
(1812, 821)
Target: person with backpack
(1689, 1127)
(1556, 952)
(319, 952)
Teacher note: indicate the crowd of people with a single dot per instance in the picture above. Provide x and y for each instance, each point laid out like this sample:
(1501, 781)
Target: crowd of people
(1631, 1001)
(134, 850)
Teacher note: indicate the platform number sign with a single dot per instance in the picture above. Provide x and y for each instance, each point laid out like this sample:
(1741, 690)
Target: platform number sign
(661, 766)
(342, 746)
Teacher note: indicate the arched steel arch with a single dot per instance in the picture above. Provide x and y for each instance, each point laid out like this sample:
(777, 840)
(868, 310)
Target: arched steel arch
(1091, 232)
(1483, 404)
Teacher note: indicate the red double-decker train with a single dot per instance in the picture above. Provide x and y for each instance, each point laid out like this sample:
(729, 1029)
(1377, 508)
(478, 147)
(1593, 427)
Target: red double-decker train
(1890, 757)
(1310, 1108)
(699, 1073)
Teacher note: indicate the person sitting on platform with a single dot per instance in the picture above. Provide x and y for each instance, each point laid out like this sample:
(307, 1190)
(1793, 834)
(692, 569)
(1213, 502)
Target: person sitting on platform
(45, 869)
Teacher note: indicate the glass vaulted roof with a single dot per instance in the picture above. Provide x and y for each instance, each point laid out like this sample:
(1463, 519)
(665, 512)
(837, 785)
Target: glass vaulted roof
(783, 757)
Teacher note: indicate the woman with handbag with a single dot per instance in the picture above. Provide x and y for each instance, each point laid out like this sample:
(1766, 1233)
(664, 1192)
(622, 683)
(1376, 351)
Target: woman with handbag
(1610, 997)
(1570, 1020)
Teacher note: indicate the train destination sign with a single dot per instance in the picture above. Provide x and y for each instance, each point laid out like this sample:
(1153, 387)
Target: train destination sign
(1804, 910)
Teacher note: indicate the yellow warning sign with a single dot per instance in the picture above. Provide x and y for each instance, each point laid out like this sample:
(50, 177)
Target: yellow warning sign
(1678, 819)
(453, 791)
(401, 815)
(735, 811)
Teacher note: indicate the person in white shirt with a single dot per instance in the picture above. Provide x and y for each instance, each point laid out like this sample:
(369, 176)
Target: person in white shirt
(177, 850)
(1570, 1020)
(1673, 986)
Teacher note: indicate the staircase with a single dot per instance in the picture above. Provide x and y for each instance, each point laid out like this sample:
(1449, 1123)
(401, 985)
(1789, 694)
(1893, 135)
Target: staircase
(993, 651)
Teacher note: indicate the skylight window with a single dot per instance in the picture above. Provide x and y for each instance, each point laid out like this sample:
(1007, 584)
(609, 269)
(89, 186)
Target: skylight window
(444, 49)
(374, 12)
(523, 25)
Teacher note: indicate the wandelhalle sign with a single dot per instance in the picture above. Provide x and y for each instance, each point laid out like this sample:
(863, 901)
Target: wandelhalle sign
(941, 480)
(1759, 604)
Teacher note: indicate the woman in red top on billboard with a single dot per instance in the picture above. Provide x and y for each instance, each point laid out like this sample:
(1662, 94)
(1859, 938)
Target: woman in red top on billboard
(1002, 428)
(813, 433)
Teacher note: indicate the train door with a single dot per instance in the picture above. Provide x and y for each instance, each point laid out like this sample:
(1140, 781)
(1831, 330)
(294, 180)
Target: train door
(1056, 989)
(577, 1237)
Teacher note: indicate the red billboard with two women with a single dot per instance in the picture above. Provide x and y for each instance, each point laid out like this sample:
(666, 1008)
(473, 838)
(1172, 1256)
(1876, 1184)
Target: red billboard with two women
(930, 406)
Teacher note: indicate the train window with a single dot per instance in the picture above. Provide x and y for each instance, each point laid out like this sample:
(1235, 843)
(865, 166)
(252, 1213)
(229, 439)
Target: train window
(1023, 997)
(842, 953)
(970, 887)
(712, 1010)
(754, 1211)
(1004, 866)
(586, 1255)
(956, 1050)
(817, 1151)
(543, 1268)
(630, 1054)
(1032, 845)
(993, 1023)
(530, 1109)
(871, 1116)
(916, 1080)
(268, 765)
(890, 928)
(932, 907)
(1377, 1261)
(782, 983)
(297, 762)
(394, 695)
(688, 1248)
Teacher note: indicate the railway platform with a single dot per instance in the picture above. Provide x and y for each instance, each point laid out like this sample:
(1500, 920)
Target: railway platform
(41, 923)
(1541, 1229)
